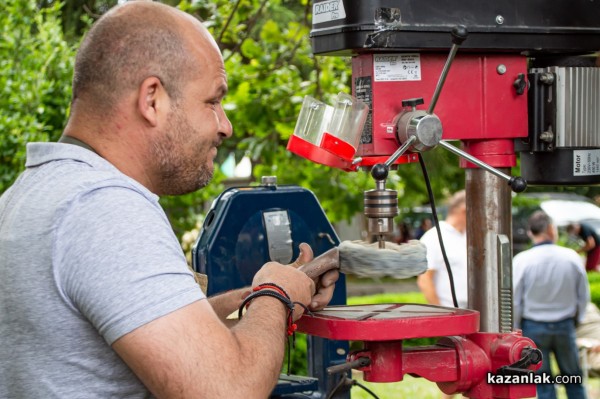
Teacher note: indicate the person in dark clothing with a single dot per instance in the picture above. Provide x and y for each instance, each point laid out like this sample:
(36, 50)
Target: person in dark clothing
(591, 244)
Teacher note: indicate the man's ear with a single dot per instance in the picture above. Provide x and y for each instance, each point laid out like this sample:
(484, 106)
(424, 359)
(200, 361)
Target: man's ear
(150, 94)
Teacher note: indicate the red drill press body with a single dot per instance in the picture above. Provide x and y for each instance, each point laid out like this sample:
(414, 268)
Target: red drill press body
(479, 103)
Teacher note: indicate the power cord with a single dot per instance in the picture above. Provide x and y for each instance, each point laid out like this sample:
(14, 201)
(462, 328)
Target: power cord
(437, 228)
(348, 383)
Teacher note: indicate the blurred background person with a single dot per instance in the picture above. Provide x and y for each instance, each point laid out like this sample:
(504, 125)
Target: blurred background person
(551, 292)
(591, 243)
(424, 226)
(404, 234)
(435, 282)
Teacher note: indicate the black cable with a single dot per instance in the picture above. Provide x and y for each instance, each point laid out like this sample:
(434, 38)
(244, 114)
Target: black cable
(437, 228)
(336, 387)
(367, 390)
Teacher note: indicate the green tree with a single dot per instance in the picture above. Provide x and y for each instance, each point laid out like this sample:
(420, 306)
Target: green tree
(35, 70)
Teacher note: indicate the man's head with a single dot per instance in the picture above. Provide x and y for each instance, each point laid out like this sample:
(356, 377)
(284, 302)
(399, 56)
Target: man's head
(574, 228)
(541, 227)
(152, 78)
(457, 211)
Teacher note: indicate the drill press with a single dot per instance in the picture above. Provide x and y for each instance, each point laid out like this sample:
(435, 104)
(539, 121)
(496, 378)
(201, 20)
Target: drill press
(512, 88)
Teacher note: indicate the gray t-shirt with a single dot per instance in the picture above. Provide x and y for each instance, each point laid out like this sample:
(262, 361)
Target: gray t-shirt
(87, 255)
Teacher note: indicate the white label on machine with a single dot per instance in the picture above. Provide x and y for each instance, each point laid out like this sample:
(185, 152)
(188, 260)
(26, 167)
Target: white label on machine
(329, 10)
(279, 235)
(586, 162)
(397, 67)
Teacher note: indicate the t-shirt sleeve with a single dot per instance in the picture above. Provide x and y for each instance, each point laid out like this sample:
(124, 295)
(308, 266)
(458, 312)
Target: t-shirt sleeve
(118, 263)
(585, 232)
(435, 259)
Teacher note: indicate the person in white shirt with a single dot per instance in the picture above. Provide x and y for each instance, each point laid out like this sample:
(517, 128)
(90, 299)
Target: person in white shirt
(435, 282)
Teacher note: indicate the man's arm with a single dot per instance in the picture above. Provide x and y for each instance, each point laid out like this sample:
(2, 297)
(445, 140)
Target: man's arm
(190, 353)
(590, 244)
(425, 283)
(583, 293)
(228, 302)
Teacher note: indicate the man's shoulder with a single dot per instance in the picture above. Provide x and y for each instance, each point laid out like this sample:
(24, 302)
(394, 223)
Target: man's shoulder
(542, 253)
(430, 237)
(68, 170)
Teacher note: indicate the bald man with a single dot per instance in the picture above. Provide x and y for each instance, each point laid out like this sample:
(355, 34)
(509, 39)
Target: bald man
(97, 300)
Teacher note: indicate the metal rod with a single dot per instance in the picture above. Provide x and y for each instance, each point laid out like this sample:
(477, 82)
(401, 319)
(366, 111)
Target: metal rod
(440, 83)
(474, 160)
(400, 151)
(489, 215)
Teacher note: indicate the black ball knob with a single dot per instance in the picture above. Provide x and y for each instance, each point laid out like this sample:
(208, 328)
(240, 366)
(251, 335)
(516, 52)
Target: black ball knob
(459, 34)
(517, 184)
(380, 171)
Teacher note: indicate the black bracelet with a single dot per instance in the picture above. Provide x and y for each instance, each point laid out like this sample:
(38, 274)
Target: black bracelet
(266, 292)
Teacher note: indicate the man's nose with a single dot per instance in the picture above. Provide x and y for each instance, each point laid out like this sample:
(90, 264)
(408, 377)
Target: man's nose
(225, 127)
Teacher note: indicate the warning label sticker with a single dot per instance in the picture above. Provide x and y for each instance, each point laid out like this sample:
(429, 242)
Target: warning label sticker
(364, 92)
(329, 10)
(397, 67)
(586, 162)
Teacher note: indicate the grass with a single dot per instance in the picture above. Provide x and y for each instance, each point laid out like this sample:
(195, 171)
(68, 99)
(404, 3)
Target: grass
(421, 388)
(409, 388)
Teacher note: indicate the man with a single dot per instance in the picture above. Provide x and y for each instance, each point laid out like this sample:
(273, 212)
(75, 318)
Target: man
(435, 282)
(96, 298)
(550, 295)
(591, 243)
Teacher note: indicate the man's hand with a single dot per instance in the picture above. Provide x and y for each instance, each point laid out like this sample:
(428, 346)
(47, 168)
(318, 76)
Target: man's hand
(295, 283)
(326, 283)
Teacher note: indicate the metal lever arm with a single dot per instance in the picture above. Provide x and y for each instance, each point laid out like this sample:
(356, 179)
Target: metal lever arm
(362, 361)
(401, 150)
(529, 356)
(459, 34)
(516, 183)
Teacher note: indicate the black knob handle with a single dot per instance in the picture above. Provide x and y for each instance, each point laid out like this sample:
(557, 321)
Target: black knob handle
(520, 83)
(412, 102)
(459, 34)
(517, 184)
(380, 171)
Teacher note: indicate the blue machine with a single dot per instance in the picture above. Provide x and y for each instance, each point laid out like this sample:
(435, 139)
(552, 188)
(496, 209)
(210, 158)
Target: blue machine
(250, 226)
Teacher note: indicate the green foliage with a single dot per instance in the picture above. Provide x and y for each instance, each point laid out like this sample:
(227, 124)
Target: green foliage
(594, 279)
(35, 72)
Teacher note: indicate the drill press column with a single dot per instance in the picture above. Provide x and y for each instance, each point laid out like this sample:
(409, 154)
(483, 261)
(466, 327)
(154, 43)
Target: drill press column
(488, 213)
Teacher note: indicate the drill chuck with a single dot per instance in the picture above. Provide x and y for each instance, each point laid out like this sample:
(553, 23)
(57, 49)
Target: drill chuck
(381, 206)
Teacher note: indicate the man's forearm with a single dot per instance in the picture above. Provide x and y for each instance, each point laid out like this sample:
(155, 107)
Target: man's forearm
(228, 302)
(425, 283)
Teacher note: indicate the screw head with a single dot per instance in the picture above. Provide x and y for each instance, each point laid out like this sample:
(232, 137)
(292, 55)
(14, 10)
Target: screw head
(499, 19)
(501, 69)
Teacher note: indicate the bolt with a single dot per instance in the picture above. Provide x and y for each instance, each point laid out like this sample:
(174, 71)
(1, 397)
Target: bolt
(547, 136)
(499, 19)
(547, 78)
(501, 69)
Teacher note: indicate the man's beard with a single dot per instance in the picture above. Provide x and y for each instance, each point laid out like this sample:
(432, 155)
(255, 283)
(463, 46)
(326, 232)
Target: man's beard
(177, 174)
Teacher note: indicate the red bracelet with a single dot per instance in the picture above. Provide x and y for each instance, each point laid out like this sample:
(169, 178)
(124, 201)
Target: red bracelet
(270, 286)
